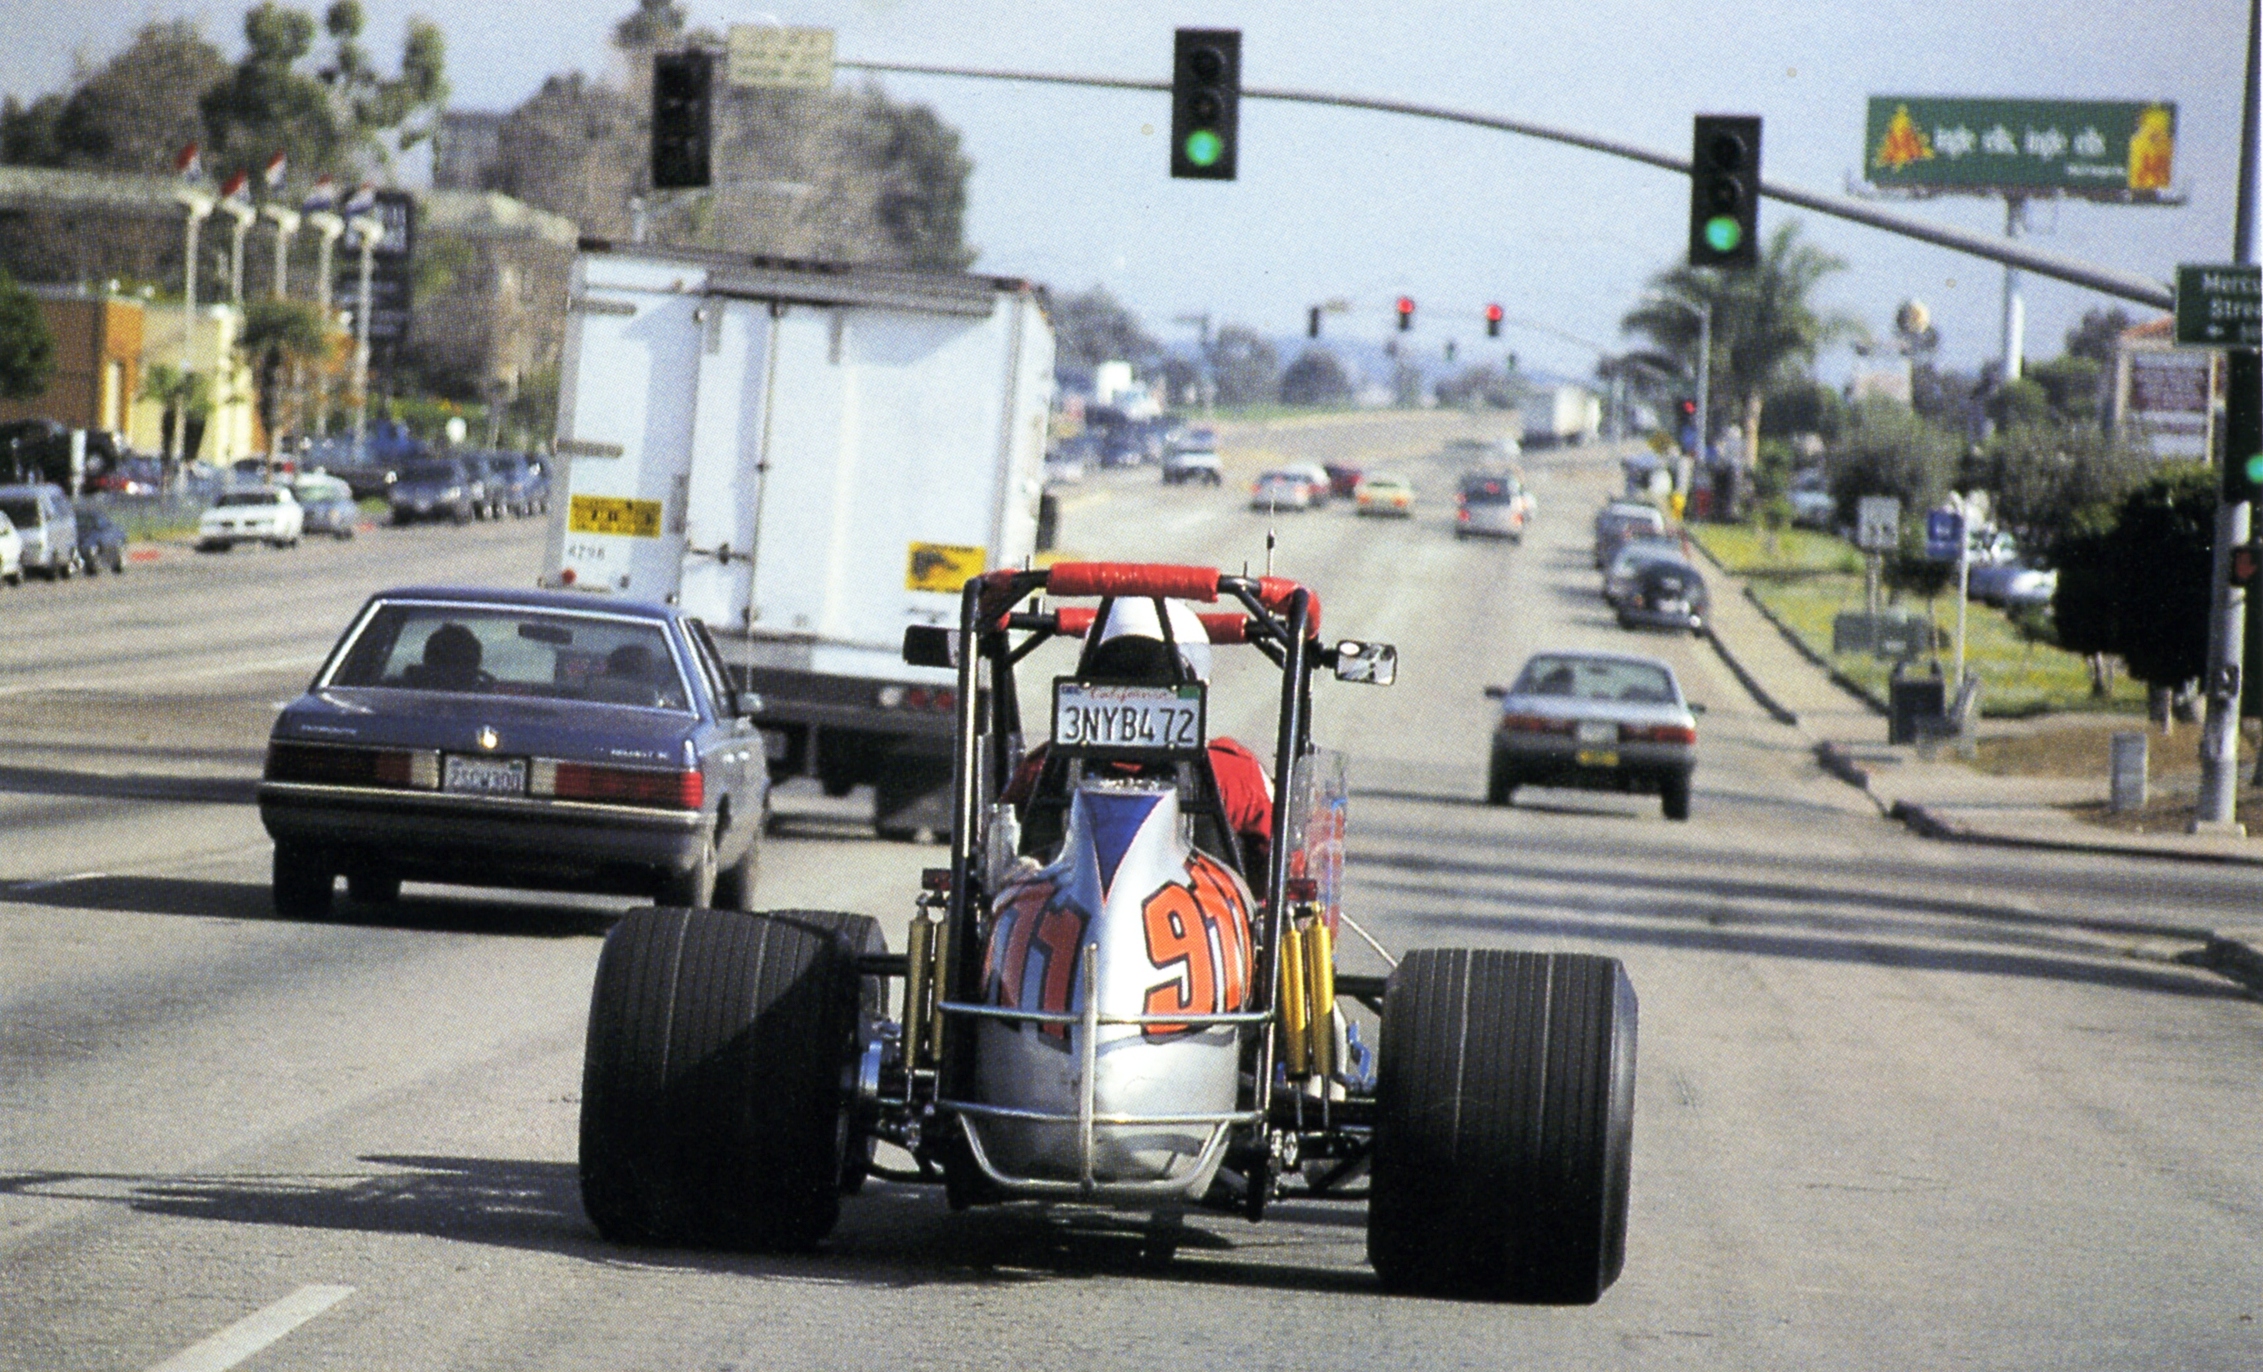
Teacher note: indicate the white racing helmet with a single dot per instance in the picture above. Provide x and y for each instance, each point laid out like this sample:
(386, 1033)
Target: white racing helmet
(1134, 617)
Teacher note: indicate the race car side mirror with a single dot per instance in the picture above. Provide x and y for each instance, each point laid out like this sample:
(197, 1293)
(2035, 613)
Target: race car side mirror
(929, 645)
(1496, 693)
(1376, 664)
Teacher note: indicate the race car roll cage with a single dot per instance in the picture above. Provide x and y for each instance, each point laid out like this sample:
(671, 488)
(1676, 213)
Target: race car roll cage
(933, 1074)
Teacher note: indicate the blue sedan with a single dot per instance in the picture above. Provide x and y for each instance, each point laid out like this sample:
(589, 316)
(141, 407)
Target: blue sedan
(517, 738)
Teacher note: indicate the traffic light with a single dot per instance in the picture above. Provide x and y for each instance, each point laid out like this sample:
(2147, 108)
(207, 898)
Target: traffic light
(682, 83)
(1451, 348)
(1492, 321)
(1206, 79)
(2243, 426)
(2247, 561)
(1312, 322)
(1406, 313)
(1724, 191)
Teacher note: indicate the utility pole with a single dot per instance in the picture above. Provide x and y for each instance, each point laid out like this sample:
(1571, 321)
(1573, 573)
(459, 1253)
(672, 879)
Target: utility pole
(286, 228)
(330, 226)
(1207, 381)
(199, 207)
(1704, 392)
(2227, 620)
(2015, 309)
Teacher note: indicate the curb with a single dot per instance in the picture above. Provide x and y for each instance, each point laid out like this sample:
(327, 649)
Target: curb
(1836, 760)
(1799, 645)
(2234, 960)
(1751, 683)
(1926, 824)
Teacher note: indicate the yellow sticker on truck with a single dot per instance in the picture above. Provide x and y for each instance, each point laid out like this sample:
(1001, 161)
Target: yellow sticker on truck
(945, 567)
(604, 514)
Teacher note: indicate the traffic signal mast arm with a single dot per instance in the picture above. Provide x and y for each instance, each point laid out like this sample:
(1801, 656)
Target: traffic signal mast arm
(2105, 280)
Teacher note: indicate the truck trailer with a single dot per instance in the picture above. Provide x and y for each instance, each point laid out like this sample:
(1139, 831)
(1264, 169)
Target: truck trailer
(809, 457)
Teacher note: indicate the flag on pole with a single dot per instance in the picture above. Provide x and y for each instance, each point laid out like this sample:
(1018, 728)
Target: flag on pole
(323, 197)
(277, 167)
(237, 186)
(188, 164)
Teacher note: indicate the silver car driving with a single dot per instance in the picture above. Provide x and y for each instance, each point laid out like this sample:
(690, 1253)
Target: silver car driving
(1597, 721)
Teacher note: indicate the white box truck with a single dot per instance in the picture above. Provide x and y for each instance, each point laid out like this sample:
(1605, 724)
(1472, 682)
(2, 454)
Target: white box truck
(1555, 415)
(809, 457)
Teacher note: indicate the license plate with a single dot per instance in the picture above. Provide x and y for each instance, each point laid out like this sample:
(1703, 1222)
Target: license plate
(1598, 757)
(1592, 731)
(1098, 717)
(1672, 606)
(485, 776)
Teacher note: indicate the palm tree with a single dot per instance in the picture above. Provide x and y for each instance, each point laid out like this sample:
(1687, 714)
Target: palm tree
(1766, 328)
(181, 396)
(277, 332)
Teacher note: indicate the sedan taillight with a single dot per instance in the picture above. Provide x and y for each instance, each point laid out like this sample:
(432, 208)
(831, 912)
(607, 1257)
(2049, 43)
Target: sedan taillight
(1535, 724)
(1659, 733)
(331, 765)
(668, 790)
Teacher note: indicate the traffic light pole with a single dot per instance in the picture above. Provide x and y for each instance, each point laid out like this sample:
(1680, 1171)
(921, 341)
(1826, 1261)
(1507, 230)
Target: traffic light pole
(2227, 621)
(2105, 280)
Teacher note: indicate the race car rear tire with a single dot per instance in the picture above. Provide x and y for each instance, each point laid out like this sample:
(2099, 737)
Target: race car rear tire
(1504, 1126)
(713, 1103)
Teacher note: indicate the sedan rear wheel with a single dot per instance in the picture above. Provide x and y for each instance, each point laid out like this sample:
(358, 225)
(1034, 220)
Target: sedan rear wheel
(695, 889)
(1500, 782)
(1673, 795)
(373, 888)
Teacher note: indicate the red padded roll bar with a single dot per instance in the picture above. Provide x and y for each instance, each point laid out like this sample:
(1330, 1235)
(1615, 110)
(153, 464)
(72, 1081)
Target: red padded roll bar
(1132, 579)
(1275, 591)
(1076, 621)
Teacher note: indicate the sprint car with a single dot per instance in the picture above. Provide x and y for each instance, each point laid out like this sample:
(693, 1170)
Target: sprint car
(1109, 998)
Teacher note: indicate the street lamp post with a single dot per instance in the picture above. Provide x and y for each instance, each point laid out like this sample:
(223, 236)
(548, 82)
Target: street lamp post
(286, 227)
(368, 231)
(1703, 309)
(330, 226)
(199, 207)
(245, 216)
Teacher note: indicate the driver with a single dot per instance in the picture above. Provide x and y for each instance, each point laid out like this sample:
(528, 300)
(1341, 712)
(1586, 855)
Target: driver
(1129, 647)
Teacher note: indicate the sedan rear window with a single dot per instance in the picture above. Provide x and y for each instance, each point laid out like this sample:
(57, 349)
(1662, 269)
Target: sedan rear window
(235, 498)
(482, 650)
(1593, 678)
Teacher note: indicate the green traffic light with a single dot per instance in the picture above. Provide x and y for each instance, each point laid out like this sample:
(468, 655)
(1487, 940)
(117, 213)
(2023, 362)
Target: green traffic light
(1203, 147)
(1722, 233)
(2255, 470)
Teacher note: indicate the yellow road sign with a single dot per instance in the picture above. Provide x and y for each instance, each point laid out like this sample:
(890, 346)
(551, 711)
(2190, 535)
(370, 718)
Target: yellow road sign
(942, 567)
(600, 514)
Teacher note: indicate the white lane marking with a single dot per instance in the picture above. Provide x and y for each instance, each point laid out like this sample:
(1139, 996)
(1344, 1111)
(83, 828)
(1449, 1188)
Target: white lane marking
(255, 1331)
(111, 683)
(20, 887)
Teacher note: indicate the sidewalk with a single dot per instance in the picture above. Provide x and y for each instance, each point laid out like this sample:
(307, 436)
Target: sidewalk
(1939, 797)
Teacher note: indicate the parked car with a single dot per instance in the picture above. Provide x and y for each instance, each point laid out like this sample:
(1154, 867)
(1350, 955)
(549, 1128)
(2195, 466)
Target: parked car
(132, 475)
(1810, 499)
(1281, 491)
(1665, 593)
(1198, 466)
(327, 506)
(257, 514)
(1491, 506)
(1343, 478)
(1597, 721)
(50, 531)
(434, 488)
(11, 553)
(101, 542)
(1389, 496)
(39, 450)
(514, 486)
(1197, 436)
(1620, 521)
(1633, 555)
(2012, 585)
(529, 739)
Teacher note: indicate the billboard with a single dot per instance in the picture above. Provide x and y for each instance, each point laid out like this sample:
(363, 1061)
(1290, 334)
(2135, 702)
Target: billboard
(2101, 149)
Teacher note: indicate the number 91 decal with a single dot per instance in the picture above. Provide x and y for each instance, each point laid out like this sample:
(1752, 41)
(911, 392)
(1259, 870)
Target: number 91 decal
(1198, 932)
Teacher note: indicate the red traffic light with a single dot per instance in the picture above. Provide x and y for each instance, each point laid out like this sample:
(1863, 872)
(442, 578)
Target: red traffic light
(1689, 409)
(1406, 312)
(2247, 563)
(1493, 321)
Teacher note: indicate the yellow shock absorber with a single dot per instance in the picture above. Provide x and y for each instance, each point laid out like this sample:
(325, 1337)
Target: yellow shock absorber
(938, 984)
(1320, 988)
(918, 949)
(1295, 1008)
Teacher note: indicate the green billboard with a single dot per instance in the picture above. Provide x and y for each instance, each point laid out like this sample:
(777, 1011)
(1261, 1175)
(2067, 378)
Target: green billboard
(2107, 149)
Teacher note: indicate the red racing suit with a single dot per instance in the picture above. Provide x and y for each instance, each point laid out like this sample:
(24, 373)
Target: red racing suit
(1243, 789)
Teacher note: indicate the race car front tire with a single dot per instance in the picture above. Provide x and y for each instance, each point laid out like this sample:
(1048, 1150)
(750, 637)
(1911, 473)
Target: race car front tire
(713, 1104)
(1504, 1125)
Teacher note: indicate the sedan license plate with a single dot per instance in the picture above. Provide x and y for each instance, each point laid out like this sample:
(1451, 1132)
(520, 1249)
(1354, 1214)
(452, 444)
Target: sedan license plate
(485, 776)
(1099, 717)
(1589, 732)
(1597, 757)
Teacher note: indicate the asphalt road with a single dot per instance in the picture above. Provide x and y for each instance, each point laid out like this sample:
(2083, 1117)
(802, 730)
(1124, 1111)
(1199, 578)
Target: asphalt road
(1901, 1103)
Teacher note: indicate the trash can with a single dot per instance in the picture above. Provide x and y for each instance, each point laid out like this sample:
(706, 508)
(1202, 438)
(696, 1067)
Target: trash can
(1916, 706)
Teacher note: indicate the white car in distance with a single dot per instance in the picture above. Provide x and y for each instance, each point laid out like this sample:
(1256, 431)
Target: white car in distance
(261, 514)
(11, 553)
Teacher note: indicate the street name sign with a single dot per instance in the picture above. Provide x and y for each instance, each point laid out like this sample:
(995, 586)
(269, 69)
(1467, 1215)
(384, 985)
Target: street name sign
(2219, 306)
(779, 57)
(1878, 523)
(1944, 535)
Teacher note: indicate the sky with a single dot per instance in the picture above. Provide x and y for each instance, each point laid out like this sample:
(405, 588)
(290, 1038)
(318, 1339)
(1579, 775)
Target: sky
(1070, 186)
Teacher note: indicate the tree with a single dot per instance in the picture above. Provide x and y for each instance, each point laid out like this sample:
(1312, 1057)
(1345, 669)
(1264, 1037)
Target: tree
(333, 121)
(2070, 385)
(2097, 334)
(277, 332)
(27, 348)
(653, 24)
(2041, 477)
(1766, 326)
(1317, 377)
(1483, 384)
(1886, 449)
(133, 114)
(1092, 327)
(2135, 577)
(181, 396)
(1246, 368)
